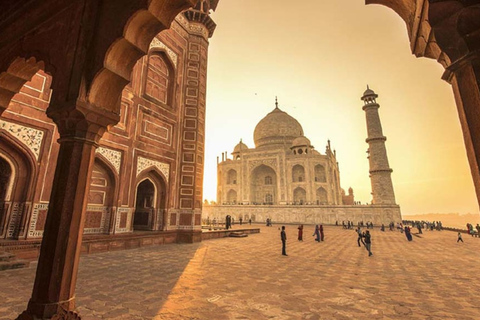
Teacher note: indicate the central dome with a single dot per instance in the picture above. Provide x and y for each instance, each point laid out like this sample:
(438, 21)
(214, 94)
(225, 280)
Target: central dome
(277, 128)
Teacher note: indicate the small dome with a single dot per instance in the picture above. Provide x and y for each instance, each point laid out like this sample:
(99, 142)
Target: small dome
(369, 92)
(301, 141)
(240, 147)
(277, 128)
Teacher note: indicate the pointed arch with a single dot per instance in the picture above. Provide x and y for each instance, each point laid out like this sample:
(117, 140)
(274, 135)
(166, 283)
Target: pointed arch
(260, 191)
(159, 83)
(19, 174)
(321, 195)
(299, 195)
(232, 197)
(320, 173)
(151, 200)
(298, 173)
(232, 176)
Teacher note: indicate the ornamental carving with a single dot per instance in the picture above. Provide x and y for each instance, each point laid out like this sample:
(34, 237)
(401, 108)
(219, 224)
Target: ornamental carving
(159, 44)
(268, 162)
(113, 156)
(198, 29)
(144, 163)
(31, 138)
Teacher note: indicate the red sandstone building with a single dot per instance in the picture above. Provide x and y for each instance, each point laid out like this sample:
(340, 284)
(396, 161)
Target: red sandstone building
(91, 49)
(147, 172)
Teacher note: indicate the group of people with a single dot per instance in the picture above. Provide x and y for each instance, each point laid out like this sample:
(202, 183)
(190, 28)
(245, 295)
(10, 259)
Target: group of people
(470, 229)
(320, 236)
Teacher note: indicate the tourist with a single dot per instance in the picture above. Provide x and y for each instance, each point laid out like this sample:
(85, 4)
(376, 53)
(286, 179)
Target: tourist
(382, 228)
(316, 233)
(283, 236)
(322, 236)
(300, 232)
(478, 228)
(408, 234)
(368, 242)
(360, 236)
(459, 237)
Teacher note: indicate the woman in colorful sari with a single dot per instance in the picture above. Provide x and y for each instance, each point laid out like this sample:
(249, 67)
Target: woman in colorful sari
(300, 232)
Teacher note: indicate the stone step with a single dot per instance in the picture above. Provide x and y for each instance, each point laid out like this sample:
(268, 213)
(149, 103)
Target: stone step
(15, 264)
(6, 256)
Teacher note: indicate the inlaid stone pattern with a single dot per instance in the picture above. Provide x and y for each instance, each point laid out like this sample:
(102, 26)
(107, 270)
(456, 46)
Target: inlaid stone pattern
(38, 216)
(269, 162)
(113, 156)
(31, 138)
(156, 43)
(124, 215)
(144, 163)
(17, 208)
(96, 219)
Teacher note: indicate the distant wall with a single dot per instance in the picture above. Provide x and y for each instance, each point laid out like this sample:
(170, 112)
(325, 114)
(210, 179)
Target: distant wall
(377, 214)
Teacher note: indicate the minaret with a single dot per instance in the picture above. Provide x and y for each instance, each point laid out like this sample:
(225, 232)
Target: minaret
(380, 172)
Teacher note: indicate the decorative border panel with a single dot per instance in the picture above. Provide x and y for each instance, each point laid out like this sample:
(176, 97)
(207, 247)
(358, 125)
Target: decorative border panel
(143, 163)
(113, 156)
(156, 43)
(31, 138)
(33, 222)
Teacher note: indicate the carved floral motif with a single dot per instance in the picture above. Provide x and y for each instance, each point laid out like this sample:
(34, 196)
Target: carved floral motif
(113, 156)
(31, 138)
(143, 163)
(159, 44)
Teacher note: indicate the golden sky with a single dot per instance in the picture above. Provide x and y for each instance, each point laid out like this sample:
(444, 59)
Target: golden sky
(317, 58)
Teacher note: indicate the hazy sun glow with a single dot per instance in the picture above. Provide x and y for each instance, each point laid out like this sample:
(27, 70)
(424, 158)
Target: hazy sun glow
(318, 58)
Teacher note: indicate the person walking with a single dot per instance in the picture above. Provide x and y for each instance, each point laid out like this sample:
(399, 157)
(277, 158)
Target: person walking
(459, 237)
(368, 242)
(316, 233)
(322, 236)
(283, 236)
(300, 232)
(360, 236)
(408, 234)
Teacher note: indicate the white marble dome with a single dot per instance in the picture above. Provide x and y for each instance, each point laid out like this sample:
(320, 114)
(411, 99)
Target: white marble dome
(276, 128)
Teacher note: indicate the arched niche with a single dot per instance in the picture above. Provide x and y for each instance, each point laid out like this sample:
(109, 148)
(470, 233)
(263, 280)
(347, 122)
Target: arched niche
(100, 200)
(232, 197)
(298, 173)
(299, 195)
(17, 175)
(320, 173)
(159, 82)
(150, 201)
(263, 183)
(232, 176)
(321, 196)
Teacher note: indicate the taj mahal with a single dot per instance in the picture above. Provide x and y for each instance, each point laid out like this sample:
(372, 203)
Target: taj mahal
(286, 179)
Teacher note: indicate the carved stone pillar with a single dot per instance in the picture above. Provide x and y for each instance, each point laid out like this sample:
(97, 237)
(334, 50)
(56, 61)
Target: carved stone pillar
(53, 294)
(465, 79)
(190, 197)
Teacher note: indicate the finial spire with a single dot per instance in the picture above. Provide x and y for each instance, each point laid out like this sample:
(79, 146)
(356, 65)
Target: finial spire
(276, 102)
(368, 87)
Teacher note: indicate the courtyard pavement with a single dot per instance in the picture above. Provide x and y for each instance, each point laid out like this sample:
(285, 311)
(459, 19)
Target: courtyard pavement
(432, 277)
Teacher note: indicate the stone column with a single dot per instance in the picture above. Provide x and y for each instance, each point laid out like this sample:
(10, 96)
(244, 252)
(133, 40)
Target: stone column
(54, 289)
(464, 75)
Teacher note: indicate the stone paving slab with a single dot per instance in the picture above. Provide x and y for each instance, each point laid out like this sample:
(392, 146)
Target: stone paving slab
(432, 277)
